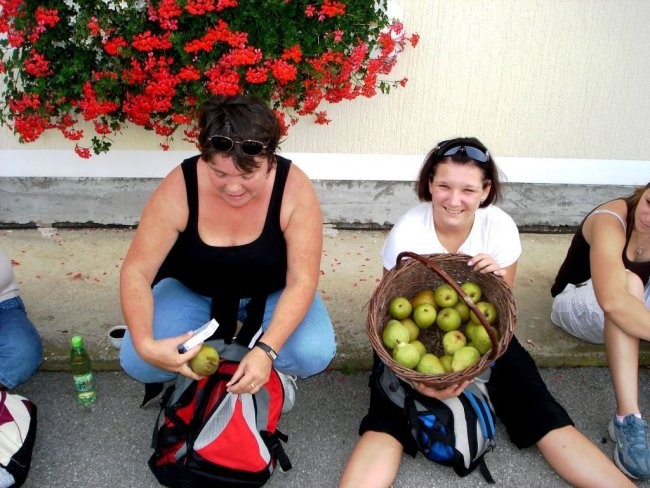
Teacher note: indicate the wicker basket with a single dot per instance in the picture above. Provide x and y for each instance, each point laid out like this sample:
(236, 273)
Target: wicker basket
(410, 276)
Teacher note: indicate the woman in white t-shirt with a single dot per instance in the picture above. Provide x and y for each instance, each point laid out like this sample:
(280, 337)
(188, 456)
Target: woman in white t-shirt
(458, 185)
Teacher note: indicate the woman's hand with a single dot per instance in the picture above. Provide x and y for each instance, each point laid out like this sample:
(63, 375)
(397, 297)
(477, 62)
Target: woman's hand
(441, 394)
(253, 372)
(163, 354)
(484, 263)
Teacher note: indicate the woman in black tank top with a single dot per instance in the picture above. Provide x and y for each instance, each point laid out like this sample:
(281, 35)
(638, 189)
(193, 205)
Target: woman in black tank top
(234, 234)
(602, 294)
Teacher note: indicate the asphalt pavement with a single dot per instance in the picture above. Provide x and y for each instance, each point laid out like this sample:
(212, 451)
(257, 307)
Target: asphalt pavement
(108, 446)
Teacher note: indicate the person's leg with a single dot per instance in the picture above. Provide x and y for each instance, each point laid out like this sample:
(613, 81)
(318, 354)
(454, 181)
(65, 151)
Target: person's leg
(374, 462)
(531, 415)
(311, 347)
(177, 309)
(579, 461)
(628, 429)
(21, 351)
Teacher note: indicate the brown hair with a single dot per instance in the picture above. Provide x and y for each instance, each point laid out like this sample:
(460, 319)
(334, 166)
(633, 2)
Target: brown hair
(239, 117)
(436, 156)
(632, 202)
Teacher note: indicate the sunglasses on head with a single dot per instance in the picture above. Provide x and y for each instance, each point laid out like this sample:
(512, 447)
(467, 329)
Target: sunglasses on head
(473, 152)
(249, 147)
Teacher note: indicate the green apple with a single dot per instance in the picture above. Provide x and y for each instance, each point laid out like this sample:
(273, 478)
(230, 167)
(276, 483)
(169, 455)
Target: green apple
(399, 308)
(394, 332)
(448, 319)
(445, 360)
(470, 330)
(413, 328)
(488, 310)
(420, 346)
(424, 315)
(430, 364)
(445, 296)
(464, 357)
(423, 296)
(472, 290)
(406, 355)
(453, 340)
(481, 340)
(463, 310)
(206, 361)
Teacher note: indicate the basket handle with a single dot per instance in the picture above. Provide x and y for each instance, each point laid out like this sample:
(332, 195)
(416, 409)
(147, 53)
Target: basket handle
(445, 276)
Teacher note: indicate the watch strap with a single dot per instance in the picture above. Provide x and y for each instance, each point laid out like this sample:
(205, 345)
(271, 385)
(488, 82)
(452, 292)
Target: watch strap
(267, 349)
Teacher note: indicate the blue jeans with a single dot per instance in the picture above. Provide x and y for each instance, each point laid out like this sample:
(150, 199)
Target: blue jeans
(177, 309)
(21, 351)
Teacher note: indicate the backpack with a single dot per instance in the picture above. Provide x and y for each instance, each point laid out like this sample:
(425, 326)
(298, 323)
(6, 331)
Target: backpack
(208, 437)
(456, 432)
(17, 435)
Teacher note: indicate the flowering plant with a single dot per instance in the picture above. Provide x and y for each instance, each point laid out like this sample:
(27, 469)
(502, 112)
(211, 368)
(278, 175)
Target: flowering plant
(152, 63)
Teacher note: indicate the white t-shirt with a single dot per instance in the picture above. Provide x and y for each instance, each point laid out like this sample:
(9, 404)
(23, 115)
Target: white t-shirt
(493, 232)
(8, 285)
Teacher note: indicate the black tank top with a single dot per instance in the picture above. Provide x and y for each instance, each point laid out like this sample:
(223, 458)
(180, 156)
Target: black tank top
(576, 269)
(230, 273)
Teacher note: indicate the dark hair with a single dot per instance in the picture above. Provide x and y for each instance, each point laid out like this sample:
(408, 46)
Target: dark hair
(436, 156)
(632, 202)
(239, 117)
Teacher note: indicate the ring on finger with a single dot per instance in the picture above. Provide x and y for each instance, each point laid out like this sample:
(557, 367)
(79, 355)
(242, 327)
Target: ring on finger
(253, 386)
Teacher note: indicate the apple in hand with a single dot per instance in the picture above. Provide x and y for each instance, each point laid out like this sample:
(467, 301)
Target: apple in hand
(448, 319)
(394, 332)
(430, 364)
(488, 310)
(472, 290)
(453, 340)
(399, 308)
(424, 315)
(445, 296)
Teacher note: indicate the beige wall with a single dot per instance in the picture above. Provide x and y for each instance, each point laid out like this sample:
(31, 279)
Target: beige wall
(547, 78)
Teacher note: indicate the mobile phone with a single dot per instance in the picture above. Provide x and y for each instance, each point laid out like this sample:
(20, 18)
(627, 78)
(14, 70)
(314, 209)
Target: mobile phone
(200, 335)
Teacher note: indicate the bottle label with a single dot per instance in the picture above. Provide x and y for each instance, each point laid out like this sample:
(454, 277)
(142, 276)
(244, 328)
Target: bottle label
(84, 382)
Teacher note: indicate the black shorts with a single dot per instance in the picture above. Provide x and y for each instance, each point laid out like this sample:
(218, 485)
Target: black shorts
(520, 397)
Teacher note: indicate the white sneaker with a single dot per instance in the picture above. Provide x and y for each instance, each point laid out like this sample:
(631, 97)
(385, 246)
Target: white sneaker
(290, 387)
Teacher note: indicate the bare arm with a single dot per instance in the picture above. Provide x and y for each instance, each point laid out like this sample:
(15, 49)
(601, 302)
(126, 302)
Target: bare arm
(164, 215)
(606, 237)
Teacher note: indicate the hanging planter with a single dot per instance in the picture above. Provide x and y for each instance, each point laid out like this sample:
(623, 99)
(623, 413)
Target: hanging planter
(153, 63)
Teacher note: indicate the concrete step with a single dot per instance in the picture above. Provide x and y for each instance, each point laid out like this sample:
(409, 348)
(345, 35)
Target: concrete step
(69, 282)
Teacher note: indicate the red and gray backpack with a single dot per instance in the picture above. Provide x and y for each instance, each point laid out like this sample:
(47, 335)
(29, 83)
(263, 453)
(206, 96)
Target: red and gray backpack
(207, 437)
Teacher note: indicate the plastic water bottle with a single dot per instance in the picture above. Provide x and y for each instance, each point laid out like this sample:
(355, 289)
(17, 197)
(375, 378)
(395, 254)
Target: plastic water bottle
(82, 373)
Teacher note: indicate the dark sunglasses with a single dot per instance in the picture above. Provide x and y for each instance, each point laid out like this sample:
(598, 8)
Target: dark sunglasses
(248, 147)
(473, 152)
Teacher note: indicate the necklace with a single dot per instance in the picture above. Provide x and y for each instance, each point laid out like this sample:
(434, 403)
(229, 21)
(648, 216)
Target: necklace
(640, 249)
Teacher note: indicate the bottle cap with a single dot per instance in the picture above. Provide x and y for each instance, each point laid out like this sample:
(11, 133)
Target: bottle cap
(77, 341)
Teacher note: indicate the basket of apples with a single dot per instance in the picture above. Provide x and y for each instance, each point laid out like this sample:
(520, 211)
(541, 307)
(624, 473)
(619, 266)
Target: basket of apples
(434, 320)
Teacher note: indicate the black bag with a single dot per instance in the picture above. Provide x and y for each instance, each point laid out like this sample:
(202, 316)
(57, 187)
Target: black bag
(17, 435)
(457, 432)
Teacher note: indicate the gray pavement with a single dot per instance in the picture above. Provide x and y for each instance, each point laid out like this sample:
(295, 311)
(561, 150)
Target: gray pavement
(109, 446)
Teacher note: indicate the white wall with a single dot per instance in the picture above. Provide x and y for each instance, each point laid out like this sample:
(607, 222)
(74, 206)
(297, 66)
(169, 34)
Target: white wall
(560, 79)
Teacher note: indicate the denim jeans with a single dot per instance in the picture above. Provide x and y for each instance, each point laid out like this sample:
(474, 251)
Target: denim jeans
(21, 351)
(177, 309)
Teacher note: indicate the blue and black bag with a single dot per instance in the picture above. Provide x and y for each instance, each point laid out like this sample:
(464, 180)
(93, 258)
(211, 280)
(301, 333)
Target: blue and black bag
(457, 432)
